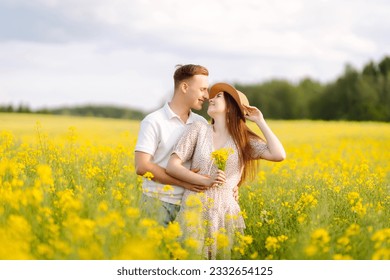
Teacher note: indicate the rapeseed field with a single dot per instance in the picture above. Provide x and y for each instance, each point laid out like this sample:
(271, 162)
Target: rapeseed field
(68, 190)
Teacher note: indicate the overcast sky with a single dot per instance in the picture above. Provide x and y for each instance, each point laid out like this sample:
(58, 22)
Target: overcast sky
(124, 52)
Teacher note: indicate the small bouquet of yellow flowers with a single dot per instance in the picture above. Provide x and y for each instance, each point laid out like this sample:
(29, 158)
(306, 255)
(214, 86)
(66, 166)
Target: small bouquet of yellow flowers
(220, 157)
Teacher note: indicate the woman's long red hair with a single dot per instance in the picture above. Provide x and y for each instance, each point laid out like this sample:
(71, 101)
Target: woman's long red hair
(241, 135)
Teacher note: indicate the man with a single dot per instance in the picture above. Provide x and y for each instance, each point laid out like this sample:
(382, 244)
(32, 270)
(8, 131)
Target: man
(159, 133)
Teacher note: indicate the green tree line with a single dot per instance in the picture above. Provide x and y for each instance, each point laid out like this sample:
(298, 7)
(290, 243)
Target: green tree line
(358, 95)
(87, 110)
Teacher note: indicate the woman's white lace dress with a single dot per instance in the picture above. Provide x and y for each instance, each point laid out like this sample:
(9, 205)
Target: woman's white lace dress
(210, 220)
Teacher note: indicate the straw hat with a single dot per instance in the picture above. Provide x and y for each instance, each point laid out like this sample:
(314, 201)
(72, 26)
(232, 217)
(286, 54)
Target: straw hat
(238, 96)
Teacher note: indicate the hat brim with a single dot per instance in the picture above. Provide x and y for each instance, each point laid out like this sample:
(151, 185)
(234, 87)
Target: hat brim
(238, 96)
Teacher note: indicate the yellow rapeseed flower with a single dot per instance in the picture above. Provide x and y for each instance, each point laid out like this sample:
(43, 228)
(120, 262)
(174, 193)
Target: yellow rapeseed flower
(343, 241)
(359, 208)
(282, 238)
(342, 257)
(133, 212)
(381, 254)
(209, 241)
(311, 250)
(353, 229)
(137, 249)
(272, 244)
(45, 174)
(381, 238)
(192, 218)
(172, 231)
(194, 200)
(167, 188)
(45, 251)
(68, 196)
(67, 201)
(177, 251)
(221, 156)
(148, 175)
(103, 206)
(321, 235)
(92, 251)
(79, 228)
(301, 218)
(254, 255)
(222, 240)
(192, 243)
(353, 197)
(242, 243)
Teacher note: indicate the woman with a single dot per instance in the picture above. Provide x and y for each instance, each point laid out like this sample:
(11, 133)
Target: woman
(210, 219)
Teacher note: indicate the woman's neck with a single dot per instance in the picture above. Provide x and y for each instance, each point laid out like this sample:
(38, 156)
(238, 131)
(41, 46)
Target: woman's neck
(219, 126)
(220, 133)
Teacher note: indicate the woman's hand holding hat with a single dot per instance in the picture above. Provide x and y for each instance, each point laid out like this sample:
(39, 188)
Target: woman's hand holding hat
(253, 114)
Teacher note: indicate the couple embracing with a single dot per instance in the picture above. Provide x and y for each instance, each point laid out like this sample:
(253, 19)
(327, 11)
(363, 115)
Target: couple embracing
(176, 146)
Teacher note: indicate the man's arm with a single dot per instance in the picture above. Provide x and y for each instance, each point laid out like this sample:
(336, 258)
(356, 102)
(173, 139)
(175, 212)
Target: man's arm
(143, 164)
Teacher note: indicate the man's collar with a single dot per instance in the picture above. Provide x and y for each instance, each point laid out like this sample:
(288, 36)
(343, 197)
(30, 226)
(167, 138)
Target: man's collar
(170, 114)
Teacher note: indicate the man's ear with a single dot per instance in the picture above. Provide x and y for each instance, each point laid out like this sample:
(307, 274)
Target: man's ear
(184, 86)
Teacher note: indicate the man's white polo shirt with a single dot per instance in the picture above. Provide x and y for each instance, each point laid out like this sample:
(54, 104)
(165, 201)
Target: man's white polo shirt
(159, 133)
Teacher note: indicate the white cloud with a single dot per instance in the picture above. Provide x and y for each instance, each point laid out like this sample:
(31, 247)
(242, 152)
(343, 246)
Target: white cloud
(68, 74)
(125, 51)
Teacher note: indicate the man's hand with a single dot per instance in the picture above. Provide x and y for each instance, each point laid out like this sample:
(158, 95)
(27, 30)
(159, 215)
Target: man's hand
(194, 188)
(195, 170)
(235, 193)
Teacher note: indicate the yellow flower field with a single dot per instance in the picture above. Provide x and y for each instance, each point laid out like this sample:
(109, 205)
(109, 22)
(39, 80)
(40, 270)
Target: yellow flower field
(68, 190)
